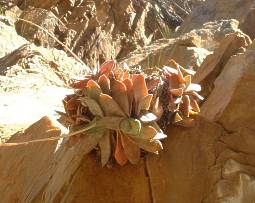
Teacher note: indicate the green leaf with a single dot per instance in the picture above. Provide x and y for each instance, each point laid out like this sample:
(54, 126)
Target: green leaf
(144, 103)
(130, 126)
(109, 122)
(109, 106)
(105, 147)
(93, 106)
(119, 94)
(93, 90)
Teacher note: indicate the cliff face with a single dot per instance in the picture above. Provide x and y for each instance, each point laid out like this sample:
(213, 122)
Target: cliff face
(212, 162)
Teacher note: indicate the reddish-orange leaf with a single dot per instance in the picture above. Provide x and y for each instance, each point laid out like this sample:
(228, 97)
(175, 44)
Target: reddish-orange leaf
(110, 106)
(185, 106)
(104, 83)
(180, 76)
(132, 151)
(119, 94)
(106, 67)
(177, 92)
(93, 89)
(129, 85)
(119, 153)
(194, 105)
(139, 89)
(79, 84)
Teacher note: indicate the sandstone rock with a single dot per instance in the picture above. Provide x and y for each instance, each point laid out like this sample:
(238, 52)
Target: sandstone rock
(214, 63)
(231, 101)
(33, 83)
(9, 36)
(185, 50)
(100, 30)
(177, 176)
(214, 10)
(49, 22)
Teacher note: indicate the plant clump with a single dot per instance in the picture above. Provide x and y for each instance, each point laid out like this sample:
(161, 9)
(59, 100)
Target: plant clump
(125, 109)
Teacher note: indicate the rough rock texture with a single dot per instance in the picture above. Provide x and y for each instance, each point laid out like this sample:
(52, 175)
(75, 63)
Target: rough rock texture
(9, 36)
(95, 30)
(214, 63)
(189, 49)
(33, 83)
(214, 10)
(67, 176)
(231, 101)
(185, 50)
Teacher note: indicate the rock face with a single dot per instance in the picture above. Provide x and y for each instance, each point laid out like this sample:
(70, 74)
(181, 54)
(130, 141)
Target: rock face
(33, 83)
(67, 176)
(231, 99)
(94, 30)
(214, 10)
(9, 36)
(214, 63)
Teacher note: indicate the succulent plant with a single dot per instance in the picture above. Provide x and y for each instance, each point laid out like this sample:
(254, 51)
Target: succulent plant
(119, 106)
(180, 94)
(123, 107)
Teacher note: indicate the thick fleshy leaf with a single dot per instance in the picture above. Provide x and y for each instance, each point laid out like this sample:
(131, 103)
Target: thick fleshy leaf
(152, 83)
(109, 106)
(160, 136)
(130, 126)
(148, 117)
(187, 71)
(187, 122)
(148, 145)
(139, 87)
(177, 118)
(119, 153)
(132, 151)
(195, 95)
(193, 87)
(120, 95)
(105, 147)
(129, 85)
(81, 84)
(170, 70)
(126, 75)
(144, 103)
(180, 76)
(93, 106)
(72, 104)
(185, 105)
(194, 105)
(107, 67)
(93, 90)
(157, 108)
(104, 83)
(109, 122)
(119, 73)
(173, 82)
(147, 132)
(187, 80)
(177, 92)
